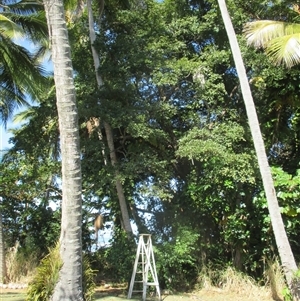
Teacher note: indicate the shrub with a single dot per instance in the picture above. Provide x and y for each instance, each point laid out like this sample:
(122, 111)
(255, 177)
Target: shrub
(119, 258)
(42, 286)
(176, 261)
(88, 280)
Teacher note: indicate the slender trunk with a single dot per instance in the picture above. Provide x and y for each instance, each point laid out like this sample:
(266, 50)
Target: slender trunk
(122, 201)
(69, 285)
(2, 254)
(108, 129)
(284, 249)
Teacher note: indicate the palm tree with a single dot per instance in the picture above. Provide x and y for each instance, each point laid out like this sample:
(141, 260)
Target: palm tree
(20, 72)
(69, 285)
(284, 249)
(281, 40)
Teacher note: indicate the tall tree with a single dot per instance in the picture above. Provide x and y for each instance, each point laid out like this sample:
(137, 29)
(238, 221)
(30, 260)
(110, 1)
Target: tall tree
(69, 286)
(284, 249)
(108, 129)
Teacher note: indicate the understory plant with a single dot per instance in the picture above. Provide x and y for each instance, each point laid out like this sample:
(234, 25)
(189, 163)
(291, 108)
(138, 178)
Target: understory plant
(46, 277)
(43, 283)
(176, 261)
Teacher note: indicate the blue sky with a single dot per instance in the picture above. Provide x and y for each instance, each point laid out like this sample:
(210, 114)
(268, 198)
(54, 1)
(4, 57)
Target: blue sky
(5, 135)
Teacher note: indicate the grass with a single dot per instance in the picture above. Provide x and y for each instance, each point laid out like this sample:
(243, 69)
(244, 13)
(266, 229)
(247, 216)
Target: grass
(12, 297)
(228, 285)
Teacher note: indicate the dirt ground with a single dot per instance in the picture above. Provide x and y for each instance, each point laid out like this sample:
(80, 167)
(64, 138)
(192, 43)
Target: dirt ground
(202, 295)
(119, 294)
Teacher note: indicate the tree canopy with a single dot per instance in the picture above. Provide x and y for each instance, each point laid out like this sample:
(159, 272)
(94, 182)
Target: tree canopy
(184, 150)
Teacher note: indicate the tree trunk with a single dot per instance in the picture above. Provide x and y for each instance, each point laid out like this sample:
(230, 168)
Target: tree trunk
(2, 254)
(284, 249)
(69, 285)
(108, 129)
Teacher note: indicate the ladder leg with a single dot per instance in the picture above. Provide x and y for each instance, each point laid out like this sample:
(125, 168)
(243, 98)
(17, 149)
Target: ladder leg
(134, 271)
(144, 291)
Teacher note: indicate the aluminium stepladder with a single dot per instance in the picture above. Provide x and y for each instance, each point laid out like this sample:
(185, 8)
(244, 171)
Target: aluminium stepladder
(144, 266)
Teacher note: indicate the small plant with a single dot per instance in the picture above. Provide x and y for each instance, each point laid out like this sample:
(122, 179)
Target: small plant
(286, 294)
(293, 292)
(274, 277)
(88, 282)
(42, 285)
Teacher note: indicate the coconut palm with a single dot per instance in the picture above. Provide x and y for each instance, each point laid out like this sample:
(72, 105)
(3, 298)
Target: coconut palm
(20, 72)
(69, 285)
(287, 259)
(281, 40)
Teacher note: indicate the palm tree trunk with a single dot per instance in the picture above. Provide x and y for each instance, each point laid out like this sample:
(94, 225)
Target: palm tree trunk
(69, 285)
(284, 249)
(108, 130)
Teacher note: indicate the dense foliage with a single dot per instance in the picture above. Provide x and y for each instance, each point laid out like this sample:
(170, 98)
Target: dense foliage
(184, 149)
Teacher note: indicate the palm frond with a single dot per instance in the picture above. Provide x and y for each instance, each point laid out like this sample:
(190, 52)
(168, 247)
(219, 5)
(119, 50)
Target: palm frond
(17, 79)
(259, 33)
(281, 40)
(285, 50)
(24, 115)
(9, 28)
(24, 7)
(21, 75)
(10, 99)
(34, 26)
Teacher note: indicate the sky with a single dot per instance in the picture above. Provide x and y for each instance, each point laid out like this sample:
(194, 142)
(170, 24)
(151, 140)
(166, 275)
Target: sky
(5, 135)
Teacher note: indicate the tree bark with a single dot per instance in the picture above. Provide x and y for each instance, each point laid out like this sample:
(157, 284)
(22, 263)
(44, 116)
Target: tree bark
(69, 285)
(108, 130)
(284, 249)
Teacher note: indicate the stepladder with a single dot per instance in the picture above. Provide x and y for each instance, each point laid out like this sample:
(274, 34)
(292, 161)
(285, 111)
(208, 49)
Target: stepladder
(144, 270)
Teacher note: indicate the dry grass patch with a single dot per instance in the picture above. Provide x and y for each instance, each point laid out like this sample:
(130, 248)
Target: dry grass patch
(231, 284)
(20, 267)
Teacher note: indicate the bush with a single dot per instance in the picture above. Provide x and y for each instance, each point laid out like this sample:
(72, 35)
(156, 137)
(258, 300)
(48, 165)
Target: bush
(119, 258)
(88, 279)
(176, 261)
(42, 286)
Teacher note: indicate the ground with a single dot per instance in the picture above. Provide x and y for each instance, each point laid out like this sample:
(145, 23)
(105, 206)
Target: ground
(112, 294)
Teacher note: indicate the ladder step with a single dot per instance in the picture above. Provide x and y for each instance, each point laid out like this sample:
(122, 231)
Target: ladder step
(137, 291)
(148, 283)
